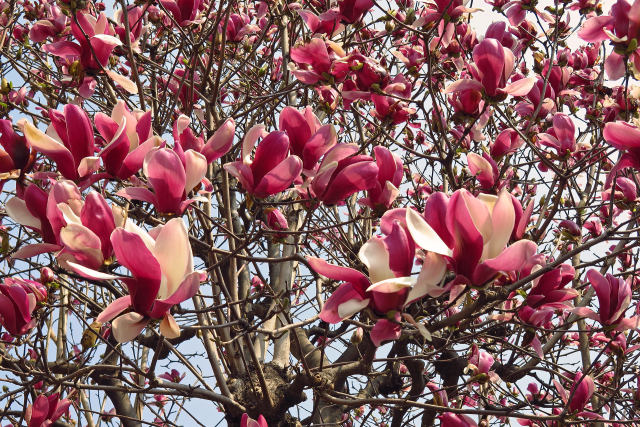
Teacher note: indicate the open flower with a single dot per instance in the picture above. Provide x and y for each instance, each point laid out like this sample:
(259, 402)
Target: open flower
(471, 234)
(161, 263)
(171, 179)
(247, 421)
(68, 142)
(271, 170)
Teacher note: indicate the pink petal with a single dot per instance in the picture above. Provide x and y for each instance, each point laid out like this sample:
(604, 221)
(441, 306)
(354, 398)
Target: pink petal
(242, 173)
(187, 289)
(295, 125)
(385, 330)
(173, 252)
(169, 327)
(318, 144)
(516, 257)
(279, 178)
(114, 309)
(353, 178)
(592, 32)
(96, 214)
(614, 66)
(195, 169)
(424, 235)
(521, 87)
(271, 151)
(220, 142)
(128, 326)
(50, 147)
(433, 270)
(338, 273)
(167, 177)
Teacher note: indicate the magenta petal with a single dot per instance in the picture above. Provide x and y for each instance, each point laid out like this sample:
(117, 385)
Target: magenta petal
(296, 126)
(79, 132)
(313, 53)
(353, 178)
(622, 135)
(318, 144)
(468, 242)
(39, 411)
(133, 254)
(135, 159)
(385, 330)
(272, 150)
(604, 292)
(521, 87)
(167, 177)
(435, 213)
(63, 49)
(279, 178)
(114, 309)
(397, 243)
(52, 149)
(138, 193)
(489, 57)
(338, 273)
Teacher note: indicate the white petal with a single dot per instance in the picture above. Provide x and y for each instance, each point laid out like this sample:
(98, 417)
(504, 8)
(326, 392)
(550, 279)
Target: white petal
(424, 235)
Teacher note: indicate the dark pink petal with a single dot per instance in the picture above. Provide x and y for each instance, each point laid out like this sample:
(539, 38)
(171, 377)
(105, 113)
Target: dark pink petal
(242, 173)
(272, 150)
(622, 135)
(355, 177)
(135, 159)
(52, 149)
(435, 213)
(468, 241)
(39, 411)
(489, 57)
(401, 252)
(614, 66)
(521, 87)
(132, 253)
(79, 132)
(313, 53)
(295, 125)
(138, 193)
(385, 330)
(604, 292)
(318, 144)
(279, 178)
(514, 258)
(187, 289)
(63, 49)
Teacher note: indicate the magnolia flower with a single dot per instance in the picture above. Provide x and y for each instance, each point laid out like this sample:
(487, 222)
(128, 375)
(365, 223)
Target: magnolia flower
(614, 297)
(68, 142)
(621, 27)
(582, 389)
(342, 173)
(18, 300)
(390, 173)
(183, 11)
(16, 151)
(271, 170)
(562, 136)
(171, 179)
(161, 263)
(46, 410)
(493, 65)
(471, 234)
(128, 137)
(308, 139)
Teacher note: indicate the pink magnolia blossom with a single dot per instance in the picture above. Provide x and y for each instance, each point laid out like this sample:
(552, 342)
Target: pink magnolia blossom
(449, 419)
(353, 10)
(100, 41)
(46, 410)
(18, 301)
(387, 289)
(325, 23)
(621, 27)
(69, 141)
(390, 107)
(161, 263)
(480, 363)
(52, 25)
(128, 138)
(135, 20)
(484, 168)
(561, 137)
(215, 147)
(471, 234)
(183, 11)
(315, 60)
(171, 179)
(582, 389)
(342, 173)
(614, 297)
(492, 67)
(507, 141)
(272, 169)
(390, 173)
(308, 139)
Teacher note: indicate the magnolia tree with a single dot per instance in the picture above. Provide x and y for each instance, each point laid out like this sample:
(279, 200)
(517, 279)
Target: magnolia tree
(319, 213)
